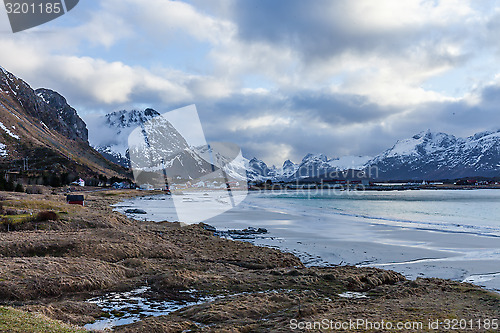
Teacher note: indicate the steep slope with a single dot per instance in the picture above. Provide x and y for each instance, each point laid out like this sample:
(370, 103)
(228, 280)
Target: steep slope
(41, 128)
(76, 128)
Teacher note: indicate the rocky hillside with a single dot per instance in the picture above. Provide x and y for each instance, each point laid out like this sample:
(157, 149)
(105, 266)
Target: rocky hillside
(74, 128)
(41, 133)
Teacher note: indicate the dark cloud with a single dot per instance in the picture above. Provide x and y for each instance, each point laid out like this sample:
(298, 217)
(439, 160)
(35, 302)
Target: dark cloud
(322, 28)
(352, 125)
(316, 123)
(339, 109)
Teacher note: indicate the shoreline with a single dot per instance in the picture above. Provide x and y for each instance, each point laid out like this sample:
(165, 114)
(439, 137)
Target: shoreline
(415, 250)
(361, 187)
(259, 289)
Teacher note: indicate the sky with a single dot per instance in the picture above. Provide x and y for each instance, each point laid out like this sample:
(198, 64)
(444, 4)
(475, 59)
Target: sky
(280, 78)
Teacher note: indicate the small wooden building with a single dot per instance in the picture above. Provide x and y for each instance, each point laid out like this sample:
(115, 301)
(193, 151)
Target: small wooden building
(75, 199)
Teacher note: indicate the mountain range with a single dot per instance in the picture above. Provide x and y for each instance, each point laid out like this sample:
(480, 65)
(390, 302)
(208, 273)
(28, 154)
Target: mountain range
(41, 134)
(425, 156)
(41, 128)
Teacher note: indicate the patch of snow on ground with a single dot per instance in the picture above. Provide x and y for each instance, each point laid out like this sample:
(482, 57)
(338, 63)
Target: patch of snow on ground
(8, 131)
(3, 150)
(353, 294)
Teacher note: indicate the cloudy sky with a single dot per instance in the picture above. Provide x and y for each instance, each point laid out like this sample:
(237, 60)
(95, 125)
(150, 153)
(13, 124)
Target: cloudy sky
(279, 77)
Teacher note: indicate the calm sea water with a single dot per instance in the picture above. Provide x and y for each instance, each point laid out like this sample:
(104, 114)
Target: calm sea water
(475, 211)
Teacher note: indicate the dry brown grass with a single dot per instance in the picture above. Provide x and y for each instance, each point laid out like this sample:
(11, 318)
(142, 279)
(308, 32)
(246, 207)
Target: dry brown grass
(32, 278)
(95, 250)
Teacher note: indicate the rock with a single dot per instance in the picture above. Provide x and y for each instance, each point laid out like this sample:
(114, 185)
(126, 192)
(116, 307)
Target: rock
(208, 227)
(135, 211)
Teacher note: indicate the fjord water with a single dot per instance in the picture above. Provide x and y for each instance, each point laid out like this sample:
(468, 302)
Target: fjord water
(427, 233)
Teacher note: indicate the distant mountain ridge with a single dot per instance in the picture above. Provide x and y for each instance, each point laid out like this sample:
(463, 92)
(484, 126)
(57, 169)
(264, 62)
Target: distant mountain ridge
(434, 155)
(312, 166)
(425, 156)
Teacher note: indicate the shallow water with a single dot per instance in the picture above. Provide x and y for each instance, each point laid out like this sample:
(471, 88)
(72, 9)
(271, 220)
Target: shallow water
(131, 306)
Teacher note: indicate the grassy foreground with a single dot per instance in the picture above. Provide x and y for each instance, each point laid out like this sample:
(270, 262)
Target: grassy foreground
(17, 321)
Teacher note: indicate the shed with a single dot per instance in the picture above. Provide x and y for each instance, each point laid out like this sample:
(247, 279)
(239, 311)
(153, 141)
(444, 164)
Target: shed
(75, 199)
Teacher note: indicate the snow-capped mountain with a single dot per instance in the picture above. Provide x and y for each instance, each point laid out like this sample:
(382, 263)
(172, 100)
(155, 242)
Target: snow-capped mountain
(429, 155)
(133, 118)
(225, 156)
(311, 166)
(110, 133)
(288, 169)
(426, 155)
(156, 145)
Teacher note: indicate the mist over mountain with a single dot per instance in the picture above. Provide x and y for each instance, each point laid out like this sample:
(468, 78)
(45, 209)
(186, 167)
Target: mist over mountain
(109, 133)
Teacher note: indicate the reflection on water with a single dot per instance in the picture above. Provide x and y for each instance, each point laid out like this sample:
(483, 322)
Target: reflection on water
(129, 307)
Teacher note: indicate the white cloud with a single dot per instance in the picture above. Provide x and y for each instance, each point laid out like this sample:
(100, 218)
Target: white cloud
(355, 66)
(161, 20)
(261, 122)
(368, 16)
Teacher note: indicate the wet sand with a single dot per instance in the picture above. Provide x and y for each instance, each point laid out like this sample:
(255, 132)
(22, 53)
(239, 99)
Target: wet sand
(369, 243)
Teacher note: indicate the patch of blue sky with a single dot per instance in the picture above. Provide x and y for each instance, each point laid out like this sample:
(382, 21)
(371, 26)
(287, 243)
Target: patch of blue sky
(459, 81)
(180, 52)
(255, 81)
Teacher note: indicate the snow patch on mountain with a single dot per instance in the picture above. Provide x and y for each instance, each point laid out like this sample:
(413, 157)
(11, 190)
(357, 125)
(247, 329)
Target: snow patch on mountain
(3, 150)
(2, 126)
